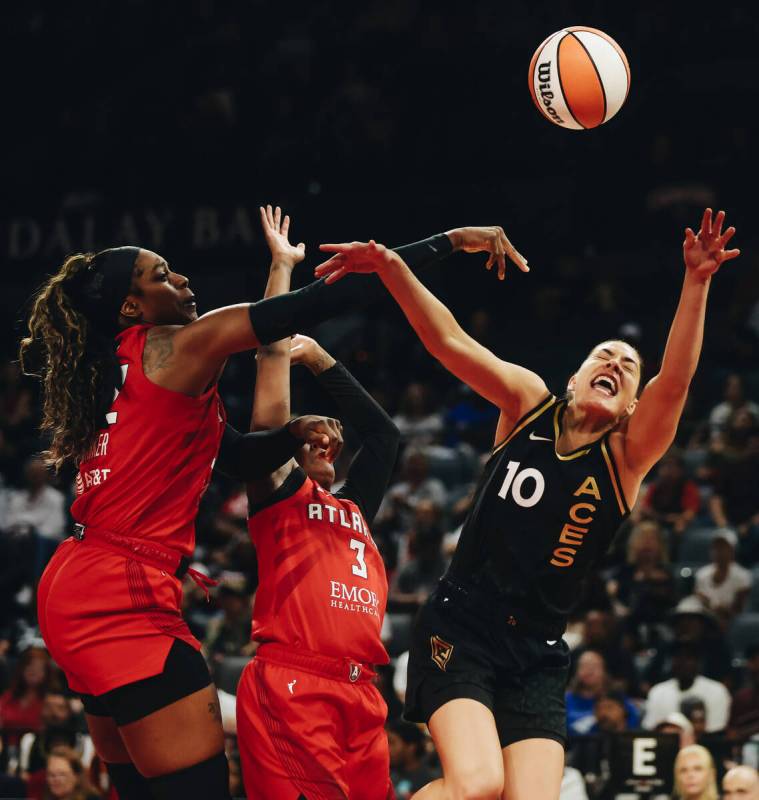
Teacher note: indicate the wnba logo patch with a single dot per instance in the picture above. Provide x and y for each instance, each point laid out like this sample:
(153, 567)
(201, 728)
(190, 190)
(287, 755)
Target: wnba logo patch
(441, 651)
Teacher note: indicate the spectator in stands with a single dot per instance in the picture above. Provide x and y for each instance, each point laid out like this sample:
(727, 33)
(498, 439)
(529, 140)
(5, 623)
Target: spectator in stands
(744, 712)
(723, 585)
(397, 509)
(419, 576)
(59, 727)
(678, 723)
(37, 510)
(736, 476)
(740, 783)
(418, 423)
(643, 589)
(612, 713)
(66, 777)
(666, 697)
(734, 399)
(692, 622)
(228, 634)
(589, 684)
(694, 710)
(600, 633)
(695, 776)
(21, 704)
(409, 766)
(672, 498)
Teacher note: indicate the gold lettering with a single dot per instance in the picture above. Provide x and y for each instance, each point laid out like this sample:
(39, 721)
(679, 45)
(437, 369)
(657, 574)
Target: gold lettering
(571, 534)
(589, 486)
(563, 557)
(577, 507)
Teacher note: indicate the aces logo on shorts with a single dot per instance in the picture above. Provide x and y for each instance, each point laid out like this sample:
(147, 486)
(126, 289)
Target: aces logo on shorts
(441, 651)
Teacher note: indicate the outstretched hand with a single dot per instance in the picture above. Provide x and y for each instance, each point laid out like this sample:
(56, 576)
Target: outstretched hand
(489, 239)
(354, 257)
(275, 232)
(704, 252)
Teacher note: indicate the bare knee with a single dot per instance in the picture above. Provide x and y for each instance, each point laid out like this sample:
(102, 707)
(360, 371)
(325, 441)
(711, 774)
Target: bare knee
(478, 783)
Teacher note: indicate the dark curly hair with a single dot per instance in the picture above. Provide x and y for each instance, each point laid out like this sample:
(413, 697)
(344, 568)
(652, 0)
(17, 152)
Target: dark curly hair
(75, 359)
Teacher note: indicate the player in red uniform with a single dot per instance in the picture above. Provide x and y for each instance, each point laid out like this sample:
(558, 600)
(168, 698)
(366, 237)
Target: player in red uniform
(141, 417)
(309, 718)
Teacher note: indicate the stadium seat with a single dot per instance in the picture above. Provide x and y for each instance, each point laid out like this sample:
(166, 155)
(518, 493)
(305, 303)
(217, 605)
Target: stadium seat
(228, 672)
(743, 632)
(695, 545)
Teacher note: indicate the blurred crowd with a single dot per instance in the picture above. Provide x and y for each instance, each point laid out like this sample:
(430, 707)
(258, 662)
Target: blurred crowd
(223, 97)
(666, 636)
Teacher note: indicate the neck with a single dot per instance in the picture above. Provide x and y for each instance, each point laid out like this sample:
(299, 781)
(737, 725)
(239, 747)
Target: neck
(685, 683)
(583, 423)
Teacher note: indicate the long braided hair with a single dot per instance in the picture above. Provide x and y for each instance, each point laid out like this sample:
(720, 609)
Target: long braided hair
(75, 358)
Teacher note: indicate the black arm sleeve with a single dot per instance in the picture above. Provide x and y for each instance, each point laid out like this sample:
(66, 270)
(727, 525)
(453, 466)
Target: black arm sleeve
(372, 466)
(277, 317)
(247, 456)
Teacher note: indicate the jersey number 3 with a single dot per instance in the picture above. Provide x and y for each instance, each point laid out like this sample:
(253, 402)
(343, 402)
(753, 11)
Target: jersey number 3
(359, 568)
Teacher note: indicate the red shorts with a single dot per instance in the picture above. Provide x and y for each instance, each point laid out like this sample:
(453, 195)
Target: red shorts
(107, 619)
(305, 728)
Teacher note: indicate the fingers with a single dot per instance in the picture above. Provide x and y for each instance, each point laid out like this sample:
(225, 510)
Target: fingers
(727, 255)
(328, 266)
(336, 275)
(285, 225)
(500, 257)
(706, 224)
(690, 238)
(512, 252)
(329, 434)
(277, 217)
(489, 262)
(726, 237)
(717, 224)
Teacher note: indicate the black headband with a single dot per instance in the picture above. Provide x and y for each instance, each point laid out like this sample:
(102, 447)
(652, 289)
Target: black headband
(106, 282)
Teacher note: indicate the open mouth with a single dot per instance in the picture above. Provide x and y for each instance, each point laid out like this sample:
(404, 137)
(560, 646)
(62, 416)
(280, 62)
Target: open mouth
(606, 384)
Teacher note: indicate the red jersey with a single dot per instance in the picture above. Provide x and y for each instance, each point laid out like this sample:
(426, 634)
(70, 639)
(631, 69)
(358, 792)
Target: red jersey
(146, 472)
(322, 583)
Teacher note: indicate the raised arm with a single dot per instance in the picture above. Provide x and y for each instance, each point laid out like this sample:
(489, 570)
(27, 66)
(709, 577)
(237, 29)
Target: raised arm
(652, 427)
(512, 388)
(372, 466)
(271, 395)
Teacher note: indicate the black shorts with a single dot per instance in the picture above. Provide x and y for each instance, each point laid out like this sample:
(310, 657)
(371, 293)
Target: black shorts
(184, 673)
(460, 649)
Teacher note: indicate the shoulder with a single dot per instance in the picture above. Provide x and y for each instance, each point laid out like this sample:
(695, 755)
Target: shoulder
(159, 347)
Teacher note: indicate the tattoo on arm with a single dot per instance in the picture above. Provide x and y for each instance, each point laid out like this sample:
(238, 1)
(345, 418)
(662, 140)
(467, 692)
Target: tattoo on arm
(214, 709)
(159, 348)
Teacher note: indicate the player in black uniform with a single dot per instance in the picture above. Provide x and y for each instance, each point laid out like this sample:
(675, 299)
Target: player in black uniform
(488, 666)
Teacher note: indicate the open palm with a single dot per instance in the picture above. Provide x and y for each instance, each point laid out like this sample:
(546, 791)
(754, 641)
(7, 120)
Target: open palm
(705, 252)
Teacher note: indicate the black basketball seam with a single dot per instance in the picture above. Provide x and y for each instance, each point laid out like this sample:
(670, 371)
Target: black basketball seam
(598, 74)
(561, 85)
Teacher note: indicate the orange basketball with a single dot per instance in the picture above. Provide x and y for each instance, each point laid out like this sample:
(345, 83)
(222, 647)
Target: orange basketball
(579, 78)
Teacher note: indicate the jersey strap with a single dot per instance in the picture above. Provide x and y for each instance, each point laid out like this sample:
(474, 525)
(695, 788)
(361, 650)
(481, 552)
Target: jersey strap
(526, 419)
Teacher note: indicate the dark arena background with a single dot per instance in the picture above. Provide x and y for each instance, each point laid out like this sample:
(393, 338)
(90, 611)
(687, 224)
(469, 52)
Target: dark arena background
(167, 125)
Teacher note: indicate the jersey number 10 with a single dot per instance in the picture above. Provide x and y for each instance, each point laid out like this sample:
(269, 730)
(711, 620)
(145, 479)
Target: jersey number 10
(514, 480)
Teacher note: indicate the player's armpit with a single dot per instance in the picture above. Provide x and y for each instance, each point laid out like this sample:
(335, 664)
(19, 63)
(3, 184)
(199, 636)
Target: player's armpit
(653, 424)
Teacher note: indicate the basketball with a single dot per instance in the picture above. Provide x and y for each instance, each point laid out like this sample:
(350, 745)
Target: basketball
(579, 78)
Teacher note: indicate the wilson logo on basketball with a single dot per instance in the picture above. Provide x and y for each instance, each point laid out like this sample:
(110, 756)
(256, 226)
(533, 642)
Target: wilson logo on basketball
(441, 651)
(546, 95)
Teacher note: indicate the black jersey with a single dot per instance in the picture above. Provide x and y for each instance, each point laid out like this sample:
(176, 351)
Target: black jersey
(540, 520)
